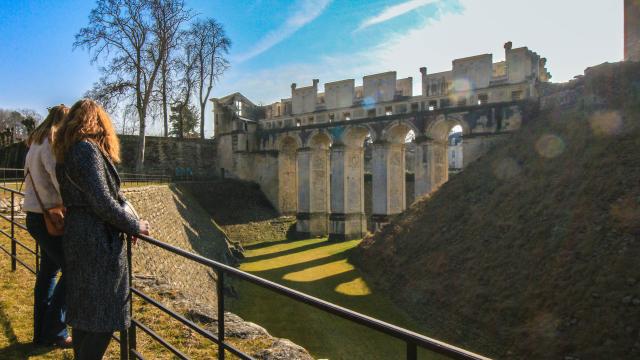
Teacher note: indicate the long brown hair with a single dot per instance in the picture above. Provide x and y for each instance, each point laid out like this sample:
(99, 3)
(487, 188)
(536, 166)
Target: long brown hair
(87, 121)
(48, 127)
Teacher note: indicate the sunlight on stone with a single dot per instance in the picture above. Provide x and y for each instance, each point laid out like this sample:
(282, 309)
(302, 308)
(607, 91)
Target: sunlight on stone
(281, 247)
(356, 287)
(320, 272)
(298, 257)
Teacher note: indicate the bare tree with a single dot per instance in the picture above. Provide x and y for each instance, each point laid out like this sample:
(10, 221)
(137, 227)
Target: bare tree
(171, 15)
(211, 45)
(186, 66)
(124, 33)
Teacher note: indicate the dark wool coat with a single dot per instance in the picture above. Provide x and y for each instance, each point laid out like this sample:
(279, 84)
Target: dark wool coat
(96, 268)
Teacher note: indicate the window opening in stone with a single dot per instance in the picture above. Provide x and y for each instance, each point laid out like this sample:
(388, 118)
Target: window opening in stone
(516, 95)
(239, 107)
(454, 148)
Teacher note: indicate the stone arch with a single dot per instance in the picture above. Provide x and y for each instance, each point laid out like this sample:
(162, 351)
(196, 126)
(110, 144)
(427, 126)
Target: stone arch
(287, 147)
(439, 129)
(347, 220)
(388, 170)
(397, 131)
(288, 141)
(320, 140)
(313, 185)
(355, 136)
(432, 165)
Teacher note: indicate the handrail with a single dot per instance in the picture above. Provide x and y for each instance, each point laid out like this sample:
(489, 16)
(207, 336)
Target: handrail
(412, 338)
(127, 338)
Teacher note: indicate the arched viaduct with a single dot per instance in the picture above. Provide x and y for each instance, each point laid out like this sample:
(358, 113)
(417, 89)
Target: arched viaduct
(307, 152)
(320, 168)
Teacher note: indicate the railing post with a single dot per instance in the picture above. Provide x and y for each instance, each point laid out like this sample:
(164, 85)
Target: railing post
(14, 252)
(132, 329)
(128, 336)
(220, 291)
(132, 341)
(412, 351)
(124, 344)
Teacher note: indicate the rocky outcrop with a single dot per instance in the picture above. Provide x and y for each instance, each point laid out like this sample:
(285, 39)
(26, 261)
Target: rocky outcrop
(205, 315)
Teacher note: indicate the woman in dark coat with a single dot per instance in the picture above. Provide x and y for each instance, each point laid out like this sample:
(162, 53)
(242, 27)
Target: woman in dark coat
(97, 281)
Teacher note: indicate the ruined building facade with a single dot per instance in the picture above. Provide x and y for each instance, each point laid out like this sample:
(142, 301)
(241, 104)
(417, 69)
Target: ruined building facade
(307, 151)
(632, 30)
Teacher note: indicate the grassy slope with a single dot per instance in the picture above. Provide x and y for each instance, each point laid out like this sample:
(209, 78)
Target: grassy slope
(16, 312)
(533, 251)
(321, 269)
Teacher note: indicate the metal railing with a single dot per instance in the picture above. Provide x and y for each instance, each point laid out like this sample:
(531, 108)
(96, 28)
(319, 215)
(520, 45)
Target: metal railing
(11, 176)
(128, 338)
(15, 176)
(144, 179)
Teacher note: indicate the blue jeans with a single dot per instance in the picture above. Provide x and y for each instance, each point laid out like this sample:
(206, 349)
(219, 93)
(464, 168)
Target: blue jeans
(49, 295)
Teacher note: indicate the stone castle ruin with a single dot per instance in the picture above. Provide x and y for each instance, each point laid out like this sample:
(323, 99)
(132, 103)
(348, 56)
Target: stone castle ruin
(307, 151)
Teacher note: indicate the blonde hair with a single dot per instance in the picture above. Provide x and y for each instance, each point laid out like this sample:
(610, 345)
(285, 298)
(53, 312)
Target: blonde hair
(87, 121)
(47, 128)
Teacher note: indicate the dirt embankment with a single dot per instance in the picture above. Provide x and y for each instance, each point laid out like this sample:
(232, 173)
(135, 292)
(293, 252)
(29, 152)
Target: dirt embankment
(177, 218)
(532, 252)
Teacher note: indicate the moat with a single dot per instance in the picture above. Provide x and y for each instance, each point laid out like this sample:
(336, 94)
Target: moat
(321, 269)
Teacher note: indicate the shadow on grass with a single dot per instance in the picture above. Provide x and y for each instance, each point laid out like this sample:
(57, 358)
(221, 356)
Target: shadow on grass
(321, 269)
(281, 253)
(16, 349)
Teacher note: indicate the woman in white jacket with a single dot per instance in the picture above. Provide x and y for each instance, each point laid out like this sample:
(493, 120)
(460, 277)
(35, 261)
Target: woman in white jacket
(49, 295)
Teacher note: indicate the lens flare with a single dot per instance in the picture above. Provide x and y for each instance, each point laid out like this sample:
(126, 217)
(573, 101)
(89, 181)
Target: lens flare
(606, 123)
(550, 146)
(461, 85)
(368, 103)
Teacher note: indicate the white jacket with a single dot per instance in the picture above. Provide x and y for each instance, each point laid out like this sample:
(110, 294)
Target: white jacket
(41, 164)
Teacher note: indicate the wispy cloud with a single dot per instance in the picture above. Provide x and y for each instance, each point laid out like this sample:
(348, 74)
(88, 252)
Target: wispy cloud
(406, 52)
(305, 12)
(394, 11)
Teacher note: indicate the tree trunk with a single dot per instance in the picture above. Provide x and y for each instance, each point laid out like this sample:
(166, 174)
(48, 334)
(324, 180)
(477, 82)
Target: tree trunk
(202, 122)
(141, 142)
(165, 111)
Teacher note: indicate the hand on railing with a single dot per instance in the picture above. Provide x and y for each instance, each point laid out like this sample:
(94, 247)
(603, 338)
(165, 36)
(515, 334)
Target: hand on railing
(145, 229)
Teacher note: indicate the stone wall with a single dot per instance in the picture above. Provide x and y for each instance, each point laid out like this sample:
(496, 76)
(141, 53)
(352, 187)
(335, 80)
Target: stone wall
(164, 156)
(185, 286)
(177, 218)
(170, 156)
(13, 156)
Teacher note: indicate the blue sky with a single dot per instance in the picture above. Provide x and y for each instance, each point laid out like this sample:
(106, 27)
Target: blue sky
(278, 42)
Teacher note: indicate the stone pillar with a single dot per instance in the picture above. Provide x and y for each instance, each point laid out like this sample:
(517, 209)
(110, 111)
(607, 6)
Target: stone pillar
(432, 166)
(388, 172)
(347, 220)
(313, 192)
(287, 183)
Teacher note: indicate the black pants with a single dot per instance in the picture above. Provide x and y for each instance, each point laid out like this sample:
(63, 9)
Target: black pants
(90, 345)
